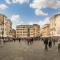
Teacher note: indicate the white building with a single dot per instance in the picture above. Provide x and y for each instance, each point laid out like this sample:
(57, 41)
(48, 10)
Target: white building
(55, 25)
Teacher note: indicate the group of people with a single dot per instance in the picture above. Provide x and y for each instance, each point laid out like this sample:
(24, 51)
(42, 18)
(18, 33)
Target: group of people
(30, 41)
(48, 43)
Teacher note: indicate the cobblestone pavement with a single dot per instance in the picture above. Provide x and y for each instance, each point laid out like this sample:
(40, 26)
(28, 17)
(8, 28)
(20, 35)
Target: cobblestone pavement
(22, 51)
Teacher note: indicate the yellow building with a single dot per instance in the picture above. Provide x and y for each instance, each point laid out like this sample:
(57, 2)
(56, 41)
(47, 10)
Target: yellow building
(46, 30)
(5, 26)
(27, 30)
(55, 25)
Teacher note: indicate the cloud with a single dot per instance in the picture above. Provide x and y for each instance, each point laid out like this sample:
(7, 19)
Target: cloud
(17, 1)
(40, 22)
(40, 13)
(40, 4)
(3, 6)
(45, 21)
(53, 3)
(16, 20)
(37, 4)
(15, 17)
(8, 1)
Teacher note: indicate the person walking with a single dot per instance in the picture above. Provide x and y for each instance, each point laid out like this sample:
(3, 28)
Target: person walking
(14, 39)
(31, 41)
(59, 44)
(46, 43)
(53, 41)
(19, 40)
(28, 41)
(50, 43)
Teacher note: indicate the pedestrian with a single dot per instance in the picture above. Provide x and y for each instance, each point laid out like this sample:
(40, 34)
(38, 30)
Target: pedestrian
(46, 43)
(14, 39)
(19, 40)
(59, 44)
(0, 40)
(31, 40)
(53, 41)
(28, 41)
(50, 43)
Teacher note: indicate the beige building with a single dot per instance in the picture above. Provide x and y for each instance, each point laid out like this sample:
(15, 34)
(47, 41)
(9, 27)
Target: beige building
(45, 30)
(27, 30)
(13, 33)
(55, 25)
(5, 26)
(36, 30)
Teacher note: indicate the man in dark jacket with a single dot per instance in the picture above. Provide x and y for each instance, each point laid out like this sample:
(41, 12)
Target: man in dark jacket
(46, 43)
(50, 43)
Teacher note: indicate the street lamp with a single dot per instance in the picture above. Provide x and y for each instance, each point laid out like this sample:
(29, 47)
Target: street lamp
(28, 32)
(2, 33)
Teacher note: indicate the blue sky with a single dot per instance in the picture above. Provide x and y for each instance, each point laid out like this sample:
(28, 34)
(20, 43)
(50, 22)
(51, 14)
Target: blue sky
(29, 11)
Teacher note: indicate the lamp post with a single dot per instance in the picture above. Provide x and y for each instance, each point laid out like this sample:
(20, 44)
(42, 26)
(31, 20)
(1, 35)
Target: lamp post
(2, 33)
(28, 32)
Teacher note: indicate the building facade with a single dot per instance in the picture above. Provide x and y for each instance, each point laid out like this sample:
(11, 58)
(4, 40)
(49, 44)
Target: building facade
(45, 30)
(24, 31)
(5, 26)
(2, 18)
(55, 25)
(13, 33)
(36, 30)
